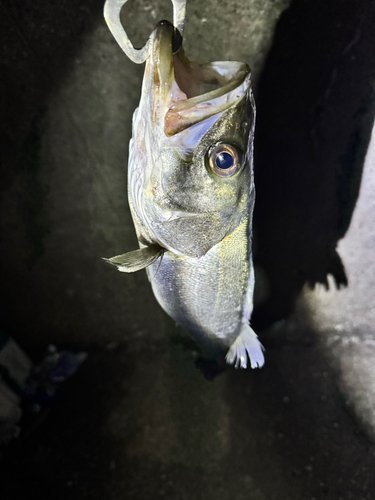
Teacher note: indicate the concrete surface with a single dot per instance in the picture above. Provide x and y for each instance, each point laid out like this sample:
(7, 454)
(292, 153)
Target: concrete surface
(142, 422)
(139, 420)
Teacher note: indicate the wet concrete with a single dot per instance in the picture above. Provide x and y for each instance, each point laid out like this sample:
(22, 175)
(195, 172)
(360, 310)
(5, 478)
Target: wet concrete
(139, 420)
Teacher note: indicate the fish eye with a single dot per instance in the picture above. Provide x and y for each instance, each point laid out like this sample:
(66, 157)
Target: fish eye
(224, 160)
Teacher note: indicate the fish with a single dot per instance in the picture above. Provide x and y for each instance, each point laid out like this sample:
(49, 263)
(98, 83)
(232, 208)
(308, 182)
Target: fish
(191, 194)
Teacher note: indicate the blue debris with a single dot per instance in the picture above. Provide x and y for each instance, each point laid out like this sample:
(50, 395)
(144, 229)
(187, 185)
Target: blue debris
(46, 379)
(24, 385)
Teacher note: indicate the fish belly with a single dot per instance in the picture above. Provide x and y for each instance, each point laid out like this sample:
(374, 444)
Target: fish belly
(211, 296)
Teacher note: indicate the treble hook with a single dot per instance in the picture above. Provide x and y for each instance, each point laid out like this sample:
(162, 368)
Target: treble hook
(112, 9)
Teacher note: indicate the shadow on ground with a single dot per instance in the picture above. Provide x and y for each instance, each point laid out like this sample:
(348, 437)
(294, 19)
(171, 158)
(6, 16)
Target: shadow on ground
(315, 101)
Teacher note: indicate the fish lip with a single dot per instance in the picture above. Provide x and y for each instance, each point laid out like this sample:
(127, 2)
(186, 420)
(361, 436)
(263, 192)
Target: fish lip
(161, 56)
(177, 213)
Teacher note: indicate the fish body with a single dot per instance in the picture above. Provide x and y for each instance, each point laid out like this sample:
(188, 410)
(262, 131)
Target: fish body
(191, 194)
(210, 297)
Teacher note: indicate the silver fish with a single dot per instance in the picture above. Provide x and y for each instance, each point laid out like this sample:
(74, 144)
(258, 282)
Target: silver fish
(191, 193)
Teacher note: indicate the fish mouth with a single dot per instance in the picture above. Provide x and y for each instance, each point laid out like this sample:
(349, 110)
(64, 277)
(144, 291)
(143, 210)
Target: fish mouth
(190, 92)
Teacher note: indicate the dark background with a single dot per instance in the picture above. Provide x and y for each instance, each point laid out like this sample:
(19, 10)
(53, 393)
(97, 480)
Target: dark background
(139, 420)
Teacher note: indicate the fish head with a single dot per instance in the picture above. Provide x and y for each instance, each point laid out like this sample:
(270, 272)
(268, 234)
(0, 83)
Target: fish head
(191, 155)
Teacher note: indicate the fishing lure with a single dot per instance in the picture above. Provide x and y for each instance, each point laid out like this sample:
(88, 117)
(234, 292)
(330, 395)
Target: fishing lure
(191, 189)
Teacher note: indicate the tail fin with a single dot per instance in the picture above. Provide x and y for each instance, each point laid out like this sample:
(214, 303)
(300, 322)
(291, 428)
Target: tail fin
(246, 345)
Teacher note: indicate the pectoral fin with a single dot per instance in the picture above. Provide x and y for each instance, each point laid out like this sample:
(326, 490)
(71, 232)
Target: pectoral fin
(136, 260)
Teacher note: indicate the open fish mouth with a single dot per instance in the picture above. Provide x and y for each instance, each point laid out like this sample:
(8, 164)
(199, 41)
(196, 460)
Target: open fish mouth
(192, 92)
